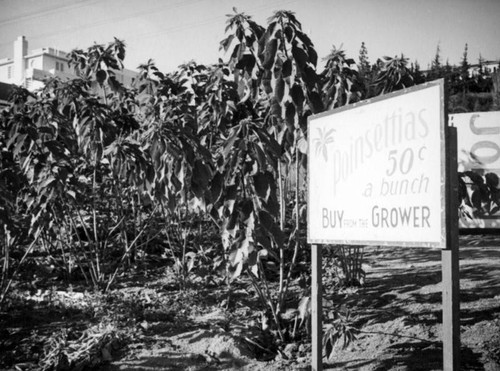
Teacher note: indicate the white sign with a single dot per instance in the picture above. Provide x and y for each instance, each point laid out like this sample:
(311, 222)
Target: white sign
(377, 171)
(478, 146)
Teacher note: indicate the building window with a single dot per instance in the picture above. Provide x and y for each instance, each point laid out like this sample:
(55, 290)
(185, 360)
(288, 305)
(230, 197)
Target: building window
(57, 66)
(9, 72)
(62, 66)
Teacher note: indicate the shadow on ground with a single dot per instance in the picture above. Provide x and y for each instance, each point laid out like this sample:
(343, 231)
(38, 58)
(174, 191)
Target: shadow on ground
(400, 306)
(174, 361)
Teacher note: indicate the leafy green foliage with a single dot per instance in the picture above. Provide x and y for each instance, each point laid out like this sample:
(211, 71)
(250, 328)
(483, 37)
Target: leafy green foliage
(339, 332)
(341, 85)
(479, 194)
(98, 177)
(394, 75)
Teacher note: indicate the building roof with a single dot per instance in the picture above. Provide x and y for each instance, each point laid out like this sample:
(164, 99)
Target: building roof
(24, 75)
(6, 61)
(48, 51)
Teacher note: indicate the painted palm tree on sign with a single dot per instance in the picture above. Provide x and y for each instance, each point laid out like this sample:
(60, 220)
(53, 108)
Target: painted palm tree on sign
(321, 143)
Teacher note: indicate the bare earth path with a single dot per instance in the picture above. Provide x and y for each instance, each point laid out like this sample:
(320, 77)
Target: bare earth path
(398, 312)
(400, 309)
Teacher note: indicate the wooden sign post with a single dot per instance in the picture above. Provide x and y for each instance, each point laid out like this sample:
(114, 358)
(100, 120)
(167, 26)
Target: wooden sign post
(450, 262)
(316, 308)
(383, 172)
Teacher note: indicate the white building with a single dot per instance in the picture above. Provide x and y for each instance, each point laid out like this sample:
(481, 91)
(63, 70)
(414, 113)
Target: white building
(30, 70)
(488, 67)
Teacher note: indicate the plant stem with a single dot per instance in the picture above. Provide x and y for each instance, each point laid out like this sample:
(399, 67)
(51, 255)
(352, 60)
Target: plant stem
(28, 251)
(94, 220)
(282, 227)
(277, 321)
(112, 278)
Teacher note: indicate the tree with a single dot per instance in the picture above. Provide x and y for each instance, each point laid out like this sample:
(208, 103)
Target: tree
(394, 75)
(275, 72)
(418, 76)
(436, 66)
(480, 63)
(340, 85)
(464, 72)
(464, 63)
(452, 76)
(364, 64)
(364, 70)
(76, 144)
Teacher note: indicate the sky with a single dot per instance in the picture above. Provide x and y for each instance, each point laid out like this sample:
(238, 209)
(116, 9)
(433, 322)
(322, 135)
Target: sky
(172, 32)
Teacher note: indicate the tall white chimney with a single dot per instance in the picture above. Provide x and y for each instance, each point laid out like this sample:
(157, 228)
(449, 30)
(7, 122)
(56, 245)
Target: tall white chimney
(20, 51)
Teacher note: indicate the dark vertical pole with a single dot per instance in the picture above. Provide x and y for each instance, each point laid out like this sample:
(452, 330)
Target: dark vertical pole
(316, 308)
(450, 260)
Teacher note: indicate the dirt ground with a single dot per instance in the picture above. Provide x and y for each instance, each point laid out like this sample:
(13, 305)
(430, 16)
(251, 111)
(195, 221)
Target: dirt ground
(400, 310)
(398, 313)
